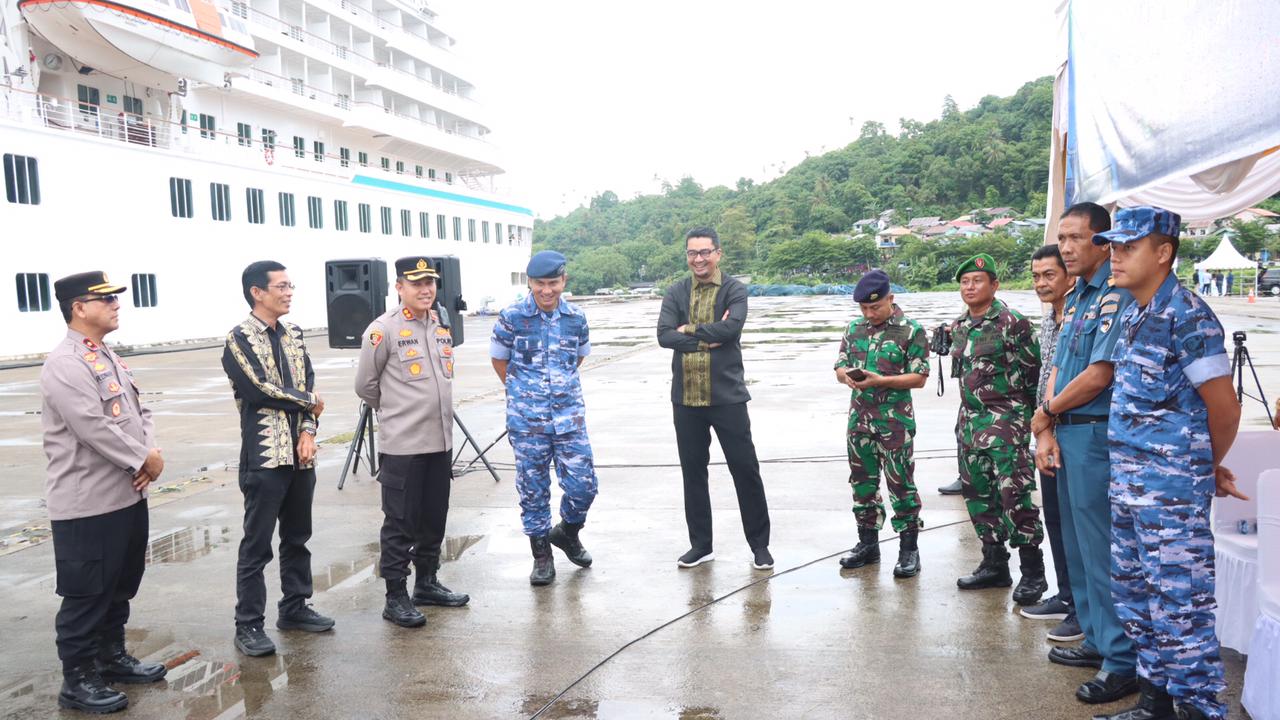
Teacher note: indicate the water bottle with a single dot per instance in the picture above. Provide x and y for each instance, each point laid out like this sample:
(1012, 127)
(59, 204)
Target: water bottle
(1247, 526)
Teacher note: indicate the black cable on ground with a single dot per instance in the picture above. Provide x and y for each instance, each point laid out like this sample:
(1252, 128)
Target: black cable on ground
(700, 608)
(940, 454)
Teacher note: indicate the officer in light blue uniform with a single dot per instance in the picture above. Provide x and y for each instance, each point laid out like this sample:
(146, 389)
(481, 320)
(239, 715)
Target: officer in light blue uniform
(1173, 417)
(537, 345)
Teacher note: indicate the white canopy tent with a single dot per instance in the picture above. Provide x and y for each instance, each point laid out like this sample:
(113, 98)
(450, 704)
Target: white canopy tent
(1142, 117)
(1226, 257)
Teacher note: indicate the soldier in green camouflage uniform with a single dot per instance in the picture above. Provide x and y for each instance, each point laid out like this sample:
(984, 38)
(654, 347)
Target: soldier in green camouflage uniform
(996, 355)
(883, 355)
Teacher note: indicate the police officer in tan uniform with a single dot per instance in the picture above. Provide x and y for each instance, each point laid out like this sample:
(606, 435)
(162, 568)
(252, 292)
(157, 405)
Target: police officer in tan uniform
(102, 457)
(405, 374)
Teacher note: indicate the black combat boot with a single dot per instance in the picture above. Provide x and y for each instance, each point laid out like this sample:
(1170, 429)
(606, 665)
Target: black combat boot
(908, 554)
(83, 690)
(866, 552)
(1032, 584)
(565, 537)
(116, 665)
(427, 589)
(992, 572)
(544, 566)
(1153, 704)
(399, 608)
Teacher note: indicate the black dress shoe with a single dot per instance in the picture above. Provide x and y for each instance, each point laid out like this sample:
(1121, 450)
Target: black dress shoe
(1153, 704)
(565, 536)
(1076, 657)
(252, 641)
(84, 690)
(304, 618)
(1107, 687)
(954, 488)
(116, 665)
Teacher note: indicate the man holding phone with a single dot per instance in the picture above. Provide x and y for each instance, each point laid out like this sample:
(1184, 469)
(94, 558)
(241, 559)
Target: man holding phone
(884, 355)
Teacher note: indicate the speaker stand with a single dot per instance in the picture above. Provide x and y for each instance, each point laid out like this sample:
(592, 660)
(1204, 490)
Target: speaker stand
(364, 429)
(476, 446)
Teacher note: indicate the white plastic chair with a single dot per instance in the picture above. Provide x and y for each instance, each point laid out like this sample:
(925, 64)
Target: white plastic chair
(1237, 555)
(1261, 695)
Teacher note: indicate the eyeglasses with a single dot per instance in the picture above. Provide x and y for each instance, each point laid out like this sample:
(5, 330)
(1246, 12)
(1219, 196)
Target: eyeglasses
(281, 287)
(691, 254)
(108, 299)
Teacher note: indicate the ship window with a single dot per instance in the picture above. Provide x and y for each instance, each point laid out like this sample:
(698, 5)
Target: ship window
(484, 227)
(255, 203)
(268, 137)
(345, 155)
(448, 177)
(363, 159)
(220, 201)
(424, 224)
(340, 215)
(89, 99)
(244, 134)
(315, 212)
(143, 286)
(208, 126)
(431, 173)
(299, 147)
(457, 228)
(406, 223)
(288, 216)
(386, 220)
(366, 218)
(497, 233)
(400, 167)
(441, 226)
(180, 198)
(317, 148)
(417, 171)
(183, 5)
(133, 105)
(33, 292)
(471, 230)
(386, 163)
(21, 179)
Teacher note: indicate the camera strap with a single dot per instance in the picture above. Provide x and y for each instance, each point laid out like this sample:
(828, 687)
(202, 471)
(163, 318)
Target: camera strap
(942, 384)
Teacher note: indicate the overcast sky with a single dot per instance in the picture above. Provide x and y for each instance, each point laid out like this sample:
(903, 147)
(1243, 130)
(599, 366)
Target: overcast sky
(611, 95)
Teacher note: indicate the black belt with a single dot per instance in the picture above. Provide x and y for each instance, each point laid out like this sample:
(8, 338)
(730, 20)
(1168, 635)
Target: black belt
(1081, 419)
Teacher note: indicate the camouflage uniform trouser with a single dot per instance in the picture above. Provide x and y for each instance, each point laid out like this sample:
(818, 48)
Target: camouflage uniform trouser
(574, 466)
(997, 484)
(868, 458)
(1162, 581)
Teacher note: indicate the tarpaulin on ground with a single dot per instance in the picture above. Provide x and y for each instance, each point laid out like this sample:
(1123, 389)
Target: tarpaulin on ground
(760, 290)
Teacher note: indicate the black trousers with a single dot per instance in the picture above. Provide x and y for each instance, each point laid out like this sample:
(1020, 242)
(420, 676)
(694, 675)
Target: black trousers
(99, 560)
(1053, 529)
(282, 494)
(693, 441)
(415, 506)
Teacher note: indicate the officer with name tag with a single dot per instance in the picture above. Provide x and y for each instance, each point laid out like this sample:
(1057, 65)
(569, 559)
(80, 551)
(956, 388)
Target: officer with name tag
(405, 373)
(537, 345)
(1174, 416)
(884, 355)
(103, 456)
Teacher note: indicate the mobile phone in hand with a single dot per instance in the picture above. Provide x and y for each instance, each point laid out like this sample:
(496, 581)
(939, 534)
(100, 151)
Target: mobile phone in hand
(857, 374)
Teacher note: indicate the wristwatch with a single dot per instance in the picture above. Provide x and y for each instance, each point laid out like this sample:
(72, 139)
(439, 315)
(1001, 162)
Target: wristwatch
(1045, 407)
(310, 431)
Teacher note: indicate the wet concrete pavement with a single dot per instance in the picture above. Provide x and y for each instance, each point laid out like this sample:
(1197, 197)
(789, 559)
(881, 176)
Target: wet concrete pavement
(808, 641)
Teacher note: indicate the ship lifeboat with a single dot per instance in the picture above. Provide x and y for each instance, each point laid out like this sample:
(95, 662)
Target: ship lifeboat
(151, 42)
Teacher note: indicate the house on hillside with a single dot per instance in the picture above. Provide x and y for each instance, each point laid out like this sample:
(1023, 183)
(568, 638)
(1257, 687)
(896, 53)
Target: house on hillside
(921, 223)
(892, 237)
(1255, 213)
(1200, 228)
(867, 225)
(998, 213)
(970, 231)
(884, 220)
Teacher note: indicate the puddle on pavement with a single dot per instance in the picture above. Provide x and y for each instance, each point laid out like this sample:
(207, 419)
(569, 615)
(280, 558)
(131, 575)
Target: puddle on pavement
(186, 543)
(585, 709)
(228, 690)
(354, 572)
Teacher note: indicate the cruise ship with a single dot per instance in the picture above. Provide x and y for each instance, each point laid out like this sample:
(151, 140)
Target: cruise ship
(171, 142)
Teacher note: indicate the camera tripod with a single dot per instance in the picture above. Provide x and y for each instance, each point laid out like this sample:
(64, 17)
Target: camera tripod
(1238, 360)
(363, 443)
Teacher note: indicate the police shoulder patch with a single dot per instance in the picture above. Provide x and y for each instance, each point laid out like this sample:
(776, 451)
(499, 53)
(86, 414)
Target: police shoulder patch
(375, 337)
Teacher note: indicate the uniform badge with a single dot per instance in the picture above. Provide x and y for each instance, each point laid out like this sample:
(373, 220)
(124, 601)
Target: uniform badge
(408, 314)
(91, 357)
(442, 331)
(422, 264)
(415, 369)
(406, 332)
(375, 337)
(874, 297)
(90, 344)
(115, 409)
(980, 263)
(1105, 325)
(99, 367)
(448, 367)
(411, 353)
(446, 350)
(113, 386)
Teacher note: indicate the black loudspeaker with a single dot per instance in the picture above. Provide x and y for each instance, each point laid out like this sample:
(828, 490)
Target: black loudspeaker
(355, 294)
(449, 302)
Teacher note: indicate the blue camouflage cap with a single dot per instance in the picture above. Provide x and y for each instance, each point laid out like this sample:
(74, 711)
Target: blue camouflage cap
(872, 287)
(546, 264)
(1136, 223)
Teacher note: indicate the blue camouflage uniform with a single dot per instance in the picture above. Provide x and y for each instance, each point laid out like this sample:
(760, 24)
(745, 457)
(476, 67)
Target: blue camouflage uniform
(546, 417)
(1090, 330)
(1162, 482)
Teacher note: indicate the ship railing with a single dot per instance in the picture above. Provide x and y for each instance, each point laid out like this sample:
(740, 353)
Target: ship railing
(342, 52)
(382, 23)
